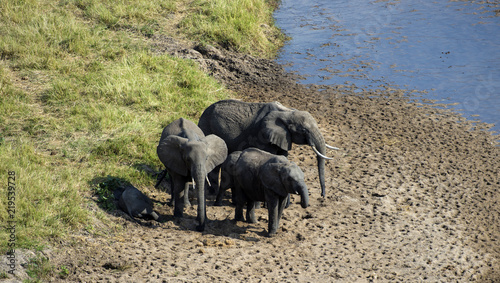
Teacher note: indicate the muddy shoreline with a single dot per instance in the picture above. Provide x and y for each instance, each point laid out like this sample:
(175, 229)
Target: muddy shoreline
(413, 195)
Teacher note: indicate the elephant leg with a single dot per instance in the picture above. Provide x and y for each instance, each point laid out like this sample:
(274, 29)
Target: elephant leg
(218, 199)
(233, 198)
(178, 187)
(239, 202)
(213, 177)
(172, 192)
(223, 186)
(282, 204)
(287, 201)
(186, 195)
(226, 182)
(251, 212)
(272, 207)
(238, 212)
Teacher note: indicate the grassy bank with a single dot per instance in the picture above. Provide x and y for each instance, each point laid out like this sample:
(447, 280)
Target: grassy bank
(82, 96)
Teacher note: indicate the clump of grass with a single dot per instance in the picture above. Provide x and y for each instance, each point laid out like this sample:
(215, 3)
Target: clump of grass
(105, 192)
(64, 272)
(243, 25)
(39, 268)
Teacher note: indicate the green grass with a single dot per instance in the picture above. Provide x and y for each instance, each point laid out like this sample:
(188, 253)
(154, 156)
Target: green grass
(82, 97)
(39, 268)
(243, 25)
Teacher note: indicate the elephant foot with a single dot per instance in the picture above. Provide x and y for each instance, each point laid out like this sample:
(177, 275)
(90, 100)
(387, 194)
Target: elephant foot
(178, 214)
(218, 203)
(251, 218)
(239, 218)
(200, 228)
(271, 234)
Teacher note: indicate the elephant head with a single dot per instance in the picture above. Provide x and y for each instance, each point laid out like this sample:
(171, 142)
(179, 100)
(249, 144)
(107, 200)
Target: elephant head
(194, 158)
(284, 179)
(187, 157)
(282, 128)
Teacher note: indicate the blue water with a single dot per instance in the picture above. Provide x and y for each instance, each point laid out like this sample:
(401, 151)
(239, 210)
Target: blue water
(450, 50)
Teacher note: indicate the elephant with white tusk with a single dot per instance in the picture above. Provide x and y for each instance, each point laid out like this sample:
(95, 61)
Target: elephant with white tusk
(189, 155)
(267, 126)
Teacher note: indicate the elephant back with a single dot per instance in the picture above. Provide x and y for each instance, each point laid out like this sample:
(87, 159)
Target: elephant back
(236, 122)
(183, 128)
(253, 158)
(226, 117)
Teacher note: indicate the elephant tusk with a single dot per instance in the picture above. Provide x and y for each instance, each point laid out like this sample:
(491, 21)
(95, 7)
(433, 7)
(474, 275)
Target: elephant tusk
(208, 181)
(194, 186)
(332, 147)
(319, 154)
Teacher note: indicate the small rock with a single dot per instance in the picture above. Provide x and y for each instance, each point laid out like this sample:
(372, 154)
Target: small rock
(209, 51)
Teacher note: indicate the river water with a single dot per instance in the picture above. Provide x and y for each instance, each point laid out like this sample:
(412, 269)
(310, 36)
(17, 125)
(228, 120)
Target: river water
(448, 49)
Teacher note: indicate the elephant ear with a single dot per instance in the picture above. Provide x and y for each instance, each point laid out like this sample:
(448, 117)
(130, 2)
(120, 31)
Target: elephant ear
(275, 130)
(270, 177)
(170, 151)
(216, 152)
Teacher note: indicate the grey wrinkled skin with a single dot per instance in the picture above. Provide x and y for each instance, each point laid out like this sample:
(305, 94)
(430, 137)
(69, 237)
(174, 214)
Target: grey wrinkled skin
(267, 126)
(136, 204)
(163, 183)
(189, 155)
(226, 176)
(262, 176)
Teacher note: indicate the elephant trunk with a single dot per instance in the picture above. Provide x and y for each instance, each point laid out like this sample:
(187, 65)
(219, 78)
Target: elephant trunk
(199, 174)
(304, 195)
(317, 142)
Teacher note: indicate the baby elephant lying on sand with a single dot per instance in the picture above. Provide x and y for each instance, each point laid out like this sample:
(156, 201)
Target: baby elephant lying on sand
(262, 176)
(136, 204)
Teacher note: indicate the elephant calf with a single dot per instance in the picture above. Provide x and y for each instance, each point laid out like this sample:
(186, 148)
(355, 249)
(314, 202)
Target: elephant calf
(136, 204)
(262, 176)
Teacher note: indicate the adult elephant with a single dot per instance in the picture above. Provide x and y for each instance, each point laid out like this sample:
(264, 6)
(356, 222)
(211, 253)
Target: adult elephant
(261, 176)
(189, 155)
(267, 126)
